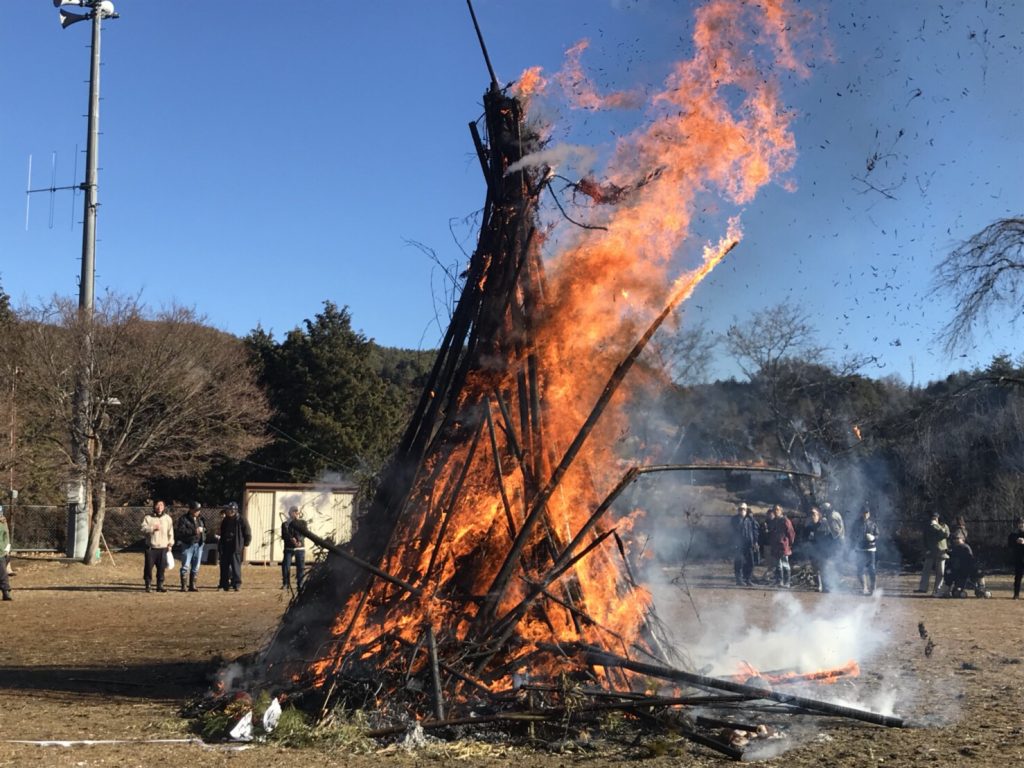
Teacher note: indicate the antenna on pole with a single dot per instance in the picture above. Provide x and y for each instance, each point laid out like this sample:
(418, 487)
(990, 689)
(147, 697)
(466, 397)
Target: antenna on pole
(483, 46)
(53, 183)
(74, 192)
(28, 191)
(73, 188)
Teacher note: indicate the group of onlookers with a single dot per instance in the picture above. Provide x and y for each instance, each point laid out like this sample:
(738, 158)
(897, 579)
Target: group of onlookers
(772, 541)
(188, 536)
(950, 559)
(824, 543)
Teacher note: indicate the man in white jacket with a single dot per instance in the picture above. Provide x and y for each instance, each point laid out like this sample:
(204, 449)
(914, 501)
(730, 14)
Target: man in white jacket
(159, 531)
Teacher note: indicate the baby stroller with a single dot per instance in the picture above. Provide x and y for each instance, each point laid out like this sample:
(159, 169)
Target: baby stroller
(963, 573)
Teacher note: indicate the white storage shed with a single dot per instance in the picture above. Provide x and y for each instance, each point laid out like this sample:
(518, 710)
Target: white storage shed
(328, 509)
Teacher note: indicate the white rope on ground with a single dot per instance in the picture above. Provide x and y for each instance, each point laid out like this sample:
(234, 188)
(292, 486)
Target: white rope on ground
(94, 742)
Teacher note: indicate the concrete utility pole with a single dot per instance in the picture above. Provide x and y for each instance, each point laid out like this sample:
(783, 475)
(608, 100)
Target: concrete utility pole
(78, 520)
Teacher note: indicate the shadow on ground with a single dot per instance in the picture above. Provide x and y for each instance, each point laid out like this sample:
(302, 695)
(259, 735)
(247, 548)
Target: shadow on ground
(147, 681)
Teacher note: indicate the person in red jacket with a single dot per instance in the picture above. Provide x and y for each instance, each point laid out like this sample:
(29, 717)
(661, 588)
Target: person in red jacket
(781, 536)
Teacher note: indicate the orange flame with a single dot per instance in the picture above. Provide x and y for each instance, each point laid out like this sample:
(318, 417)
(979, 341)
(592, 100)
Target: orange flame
(581, 92)
(530, 83)
(827, 676)
(598, 291)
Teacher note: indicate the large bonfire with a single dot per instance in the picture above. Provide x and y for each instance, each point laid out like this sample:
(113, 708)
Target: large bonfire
(493, 554)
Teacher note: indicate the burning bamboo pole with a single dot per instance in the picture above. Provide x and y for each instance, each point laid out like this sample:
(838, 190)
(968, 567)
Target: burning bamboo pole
(500, 474)
(501, 581)
(435, 674)
(333, 548)
(451, 504)
(602, 658)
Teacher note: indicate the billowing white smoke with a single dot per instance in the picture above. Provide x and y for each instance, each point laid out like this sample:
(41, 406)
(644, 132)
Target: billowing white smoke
(826, 636)
(784, 635)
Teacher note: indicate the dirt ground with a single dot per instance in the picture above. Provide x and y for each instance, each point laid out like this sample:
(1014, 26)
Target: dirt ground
(87, 655)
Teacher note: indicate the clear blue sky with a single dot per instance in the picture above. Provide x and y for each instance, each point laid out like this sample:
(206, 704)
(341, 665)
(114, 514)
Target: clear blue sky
(259, 158)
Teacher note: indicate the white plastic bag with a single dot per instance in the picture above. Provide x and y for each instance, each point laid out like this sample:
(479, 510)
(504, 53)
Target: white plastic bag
(243, 728)
(170, 560)
(271, 716)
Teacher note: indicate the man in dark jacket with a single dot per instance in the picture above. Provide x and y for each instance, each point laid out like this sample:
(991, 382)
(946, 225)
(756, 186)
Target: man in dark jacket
(1015, 542)
(816, 543)
(744, 542)
(962, 569)
(235, 535)
(865, 539)
(190, 534)
(292, 531)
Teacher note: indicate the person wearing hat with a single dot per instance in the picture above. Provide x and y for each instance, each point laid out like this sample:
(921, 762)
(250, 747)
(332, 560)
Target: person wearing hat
(5, 548)
(159, 530)
(191, 535)
(744, 542)
(936, 546)
(292, 531)
(235, 535)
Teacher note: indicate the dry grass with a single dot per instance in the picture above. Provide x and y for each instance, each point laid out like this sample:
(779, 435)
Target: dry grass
(88, 655)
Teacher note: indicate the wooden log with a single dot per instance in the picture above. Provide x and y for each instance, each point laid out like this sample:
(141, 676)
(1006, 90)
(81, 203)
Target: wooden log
(481, 152)
(718, 746)
(725, 468)
(714, 722)
(602, 658)
(435, 674)
(504, 628)
(333, 548)
(454, 672)
(508, 428)
(453, 501)
(412, 656)
(500, 475)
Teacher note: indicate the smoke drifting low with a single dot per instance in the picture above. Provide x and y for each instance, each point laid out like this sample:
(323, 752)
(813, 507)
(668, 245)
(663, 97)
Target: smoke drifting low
(789, 635)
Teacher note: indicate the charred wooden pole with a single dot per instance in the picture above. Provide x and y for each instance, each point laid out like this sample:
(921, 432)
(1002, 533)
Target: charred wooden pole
(334, 549)
(500, 583)
(435, 674)
(453, 501)
(500, 475)
(602, 658)
(483, 46)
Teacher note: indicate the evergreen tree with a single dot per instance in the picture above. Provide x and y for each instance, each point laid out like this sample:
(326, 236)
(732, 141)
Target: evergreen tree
(335, 414)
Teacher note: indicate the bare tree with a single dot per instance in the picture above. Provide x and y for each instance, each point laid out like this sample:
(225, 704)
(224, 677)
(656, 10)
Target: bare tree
(685, 355)
(985, 272)
(169, 395)
(771, 338)
(778, 350)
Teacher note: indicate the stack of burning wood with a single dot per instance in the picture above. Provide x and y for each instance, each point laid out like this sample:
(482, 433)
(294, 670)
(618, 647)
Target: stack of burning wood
(489, 582)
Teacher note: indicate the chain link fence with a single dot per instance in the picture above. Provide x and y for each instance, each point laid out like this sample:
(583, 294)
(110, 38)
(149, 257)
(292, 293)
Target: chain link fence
(36, 528)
